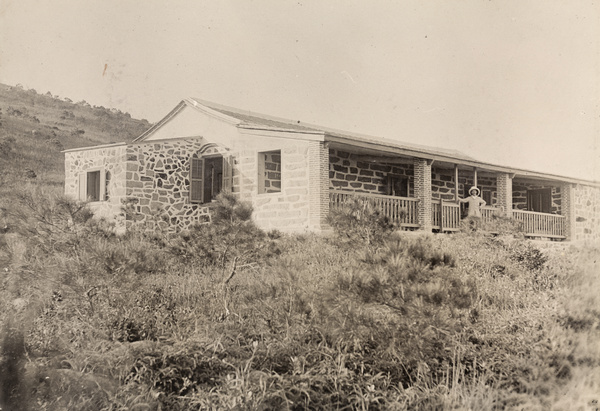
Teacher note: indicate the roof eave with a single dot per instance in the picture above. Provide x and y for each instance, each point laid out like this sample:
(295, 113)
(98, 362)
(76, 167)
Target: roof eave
(429, 155)
(110, 145)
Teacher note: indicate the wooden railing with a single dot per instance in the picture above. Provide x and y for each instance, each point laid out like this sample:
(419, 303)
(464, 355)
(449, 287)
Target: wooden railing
(541, 224)
(445, 216)
(488, 213)
(400, 210)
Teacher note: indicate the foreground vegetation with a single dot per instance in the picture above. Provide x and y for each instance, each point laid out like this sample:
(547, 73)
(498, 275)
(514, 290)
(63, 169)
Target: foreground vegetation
(228, 317)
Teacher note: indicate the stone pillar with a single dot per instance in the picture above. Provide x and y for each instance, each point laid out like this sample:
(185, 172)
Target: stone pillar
(318, 186)
(567, 207)
(422, 171)
(504, 193)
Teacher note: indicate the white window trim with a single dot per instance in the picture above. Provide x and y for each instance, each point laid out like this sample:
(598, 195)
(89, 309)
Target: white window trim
(83, 184)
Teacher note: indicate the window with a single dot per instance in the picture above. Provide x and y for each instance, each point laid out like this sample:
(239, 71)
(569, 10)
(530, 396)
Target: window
(93, 185)
(208, 177)
(539, 200)
(397, 186)
(269, 172)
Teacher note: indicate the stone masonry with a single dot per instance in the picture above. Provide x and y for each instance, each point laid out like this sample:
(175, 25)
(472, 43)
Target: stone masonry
(287, 210)
(158, 184)
(146, 184)
(585, 201)
(519, 198)
(348, 174)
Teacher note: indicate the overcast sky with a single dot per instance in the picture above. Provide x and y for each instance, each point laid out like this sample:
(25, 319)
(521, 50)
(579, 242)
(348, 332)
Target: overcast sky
(515, 83)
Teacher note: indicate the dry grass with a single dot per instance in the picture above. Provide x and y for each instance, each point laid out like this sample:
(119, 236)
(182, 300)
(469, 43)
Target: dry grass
(93, 321)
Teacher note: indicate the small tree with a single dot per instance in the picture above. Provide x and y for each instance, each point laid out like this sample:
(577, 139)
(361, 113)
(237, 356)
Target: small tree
(360, 220)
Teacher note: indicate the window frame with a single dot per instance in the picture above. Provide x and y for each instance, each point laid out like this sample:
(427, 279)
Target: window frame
(390, 184)
(83, 185)
(262, 170)
(226, 177)
(544, 200)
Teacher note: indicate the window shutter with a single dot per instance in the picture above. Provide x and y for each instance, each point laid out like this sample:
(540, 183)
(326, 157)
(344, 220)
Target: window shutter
(82, 186)
(196, 169)
(227, 173)
(102, 190)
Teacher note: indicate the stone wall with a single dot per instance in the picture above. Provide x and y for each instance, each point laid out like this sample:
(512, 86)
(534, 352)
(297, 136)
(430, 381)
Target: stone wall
(110, 160)
(586, 204)
(149, 183)
(442, 184)
(158, 184)
(520, 195)
(348, 174)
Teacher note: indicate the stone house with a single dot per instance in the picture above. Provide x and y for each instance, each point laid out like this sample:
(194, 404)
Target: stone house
(294, 173)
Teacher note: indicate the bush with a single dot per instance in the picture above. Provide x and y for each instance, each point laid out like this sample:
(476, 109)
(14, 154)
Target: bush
(400, 304)
(360, 220)
(228, 210)
(527, 255)
(6, 146)
(230, 236)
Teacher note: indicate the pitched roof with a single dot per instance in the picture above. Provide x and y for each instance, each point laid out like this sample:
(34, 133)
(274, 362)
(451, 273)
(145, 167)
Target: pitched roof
(248, 119)
(254, 121)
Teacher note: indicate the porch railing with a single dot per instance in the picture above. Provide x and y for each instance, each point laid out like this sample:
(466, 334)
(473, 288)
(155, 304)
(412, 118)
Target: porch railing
(541, 224)
(488, 213)
(445, 216)
(400, 210)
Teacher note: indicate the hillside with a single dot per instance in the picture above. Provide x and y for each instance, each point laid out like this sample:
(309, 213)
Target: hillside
(227, 317)
(35, 128)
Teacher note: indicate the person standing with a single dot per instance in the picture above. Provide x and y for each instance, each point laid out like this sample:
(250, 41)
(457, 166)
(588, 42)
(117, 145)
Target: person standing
(474, 202)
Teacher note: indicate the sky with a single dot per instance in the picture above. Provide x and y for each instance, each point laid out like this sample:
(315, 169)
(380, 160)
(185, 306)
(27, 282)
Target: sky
(510, 82)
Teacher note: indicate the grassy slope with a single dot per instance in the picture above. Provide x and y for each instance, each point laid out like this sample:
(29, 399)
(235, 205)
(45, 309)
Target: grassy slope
(229, 318)
(42, 126)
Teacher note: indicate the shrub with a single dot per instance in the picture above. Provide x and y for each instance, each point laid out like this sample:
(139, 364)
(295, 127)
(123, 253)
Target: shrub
(527, 255)
(228, 210)
(503, 225)
(230, 236)
(6, 146)
(399, 304)
(360, 220)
